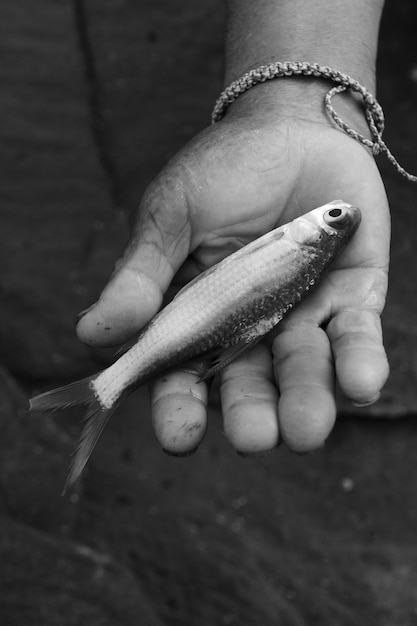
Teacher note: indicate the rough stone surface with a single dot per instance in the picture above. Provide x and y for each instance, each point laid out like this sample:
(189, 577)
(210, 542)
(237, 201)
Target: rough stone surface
(95, 97)
(49, 581)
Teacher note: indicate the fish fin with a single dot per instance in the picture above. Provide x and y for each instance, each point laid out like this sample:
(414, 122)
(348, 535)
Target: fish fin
(78, 393)
(271, 236)
(125, 347)
(74, 394)
(194, 280)
(95, 420)
(227, 356)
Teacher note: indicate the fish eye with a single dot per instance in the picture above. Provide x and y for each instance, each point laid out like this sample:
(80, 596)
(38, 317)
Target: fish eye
(337, 217)
(335, 212)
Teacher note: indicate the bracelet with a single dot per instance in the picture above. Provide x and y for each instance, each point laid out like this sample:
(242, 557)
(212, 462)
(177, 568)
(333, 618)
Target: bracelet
(373, 110)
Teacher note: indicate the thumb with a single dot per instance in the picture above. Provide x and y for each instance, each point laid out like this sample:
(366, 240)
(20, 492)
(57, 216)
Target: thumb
(159, 245)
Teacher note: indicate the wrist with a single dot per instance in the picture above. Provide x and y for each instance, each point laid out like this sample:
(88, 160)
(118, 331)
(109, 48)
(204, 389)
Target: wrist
(299, 97)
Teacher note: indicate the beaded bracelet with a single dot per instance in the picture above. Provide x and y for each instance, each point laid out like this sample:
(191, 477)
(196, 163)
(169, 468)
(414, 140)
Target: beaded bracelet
(373, 110)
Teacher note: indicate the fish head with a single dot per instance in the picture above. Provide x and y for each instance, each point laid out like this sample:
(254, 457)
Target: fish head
(334, 222)
(340, 218)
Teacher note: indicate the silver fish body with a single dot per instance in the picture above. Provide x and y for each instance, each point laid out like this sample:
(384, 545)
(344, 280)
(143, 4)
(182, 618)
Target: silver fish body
(221, 313)
(235, 302)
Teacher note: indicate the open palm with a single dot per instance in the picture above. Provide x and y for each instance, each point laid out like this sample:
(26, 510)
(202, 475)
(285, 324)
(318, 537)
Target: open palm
(232, 183)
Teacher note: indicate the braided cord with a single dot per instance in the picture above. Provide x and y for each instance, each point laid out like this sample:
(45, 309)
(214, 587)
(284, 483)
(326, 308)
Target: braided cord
(373, 110)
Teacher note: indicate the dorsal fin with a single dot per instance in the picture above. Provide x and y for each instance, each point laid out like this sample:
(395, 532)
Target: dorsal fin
(250, 248)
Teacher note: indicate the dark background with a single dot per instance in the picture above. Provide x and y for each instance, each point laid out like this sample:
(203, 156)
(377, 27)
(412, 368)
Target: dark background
(95, 97)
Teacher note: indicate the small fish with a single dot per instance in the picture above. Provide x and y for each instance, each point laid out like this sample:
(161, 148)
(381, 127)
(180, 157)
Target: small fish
(219, 315)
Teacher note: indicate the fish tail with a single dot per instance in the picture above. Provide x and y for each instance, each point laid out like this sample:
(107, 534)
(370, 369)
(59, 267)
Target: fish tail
(74, 394)
(80, 393)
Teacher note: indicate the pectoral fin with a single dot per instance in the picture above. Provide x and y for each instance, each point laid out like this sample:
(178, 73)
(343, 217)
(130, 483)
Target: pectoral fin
(231, 353)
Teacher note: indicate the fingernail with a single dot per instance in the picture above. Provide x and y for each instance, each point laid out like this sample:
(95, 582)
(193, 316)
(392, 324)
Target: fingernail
(254, 455)
(180, 454)
(367, 403)
(310, 451)
(84, 312)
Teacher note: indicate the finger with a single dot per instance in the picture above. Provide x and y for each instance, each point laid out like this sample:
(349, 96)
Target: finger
(361, 362)
(179, 411)
(159, 245)
(304, 372)
(249, 402)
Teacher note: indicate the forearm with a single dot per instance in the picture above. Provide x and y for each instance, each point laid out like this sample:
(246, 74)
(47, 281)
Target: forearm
(339, 33)
(342, 34)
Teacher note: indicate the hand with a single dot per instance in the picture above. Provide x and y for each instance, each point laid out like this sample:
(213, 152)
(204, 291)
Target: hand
(235, 181)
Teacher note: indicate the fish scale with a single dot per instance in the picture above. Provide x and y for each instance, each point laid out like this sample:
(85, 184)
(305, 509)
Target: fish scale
(202, 316)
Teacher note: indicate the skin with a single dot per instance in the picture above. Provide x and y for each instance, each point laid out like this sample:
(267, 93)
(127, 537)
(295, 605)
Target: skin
(273, 157)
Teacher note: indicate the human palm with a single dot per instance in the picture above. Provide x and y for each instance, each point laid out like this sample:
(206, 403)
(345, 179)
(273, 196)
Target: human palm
(232, 183)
